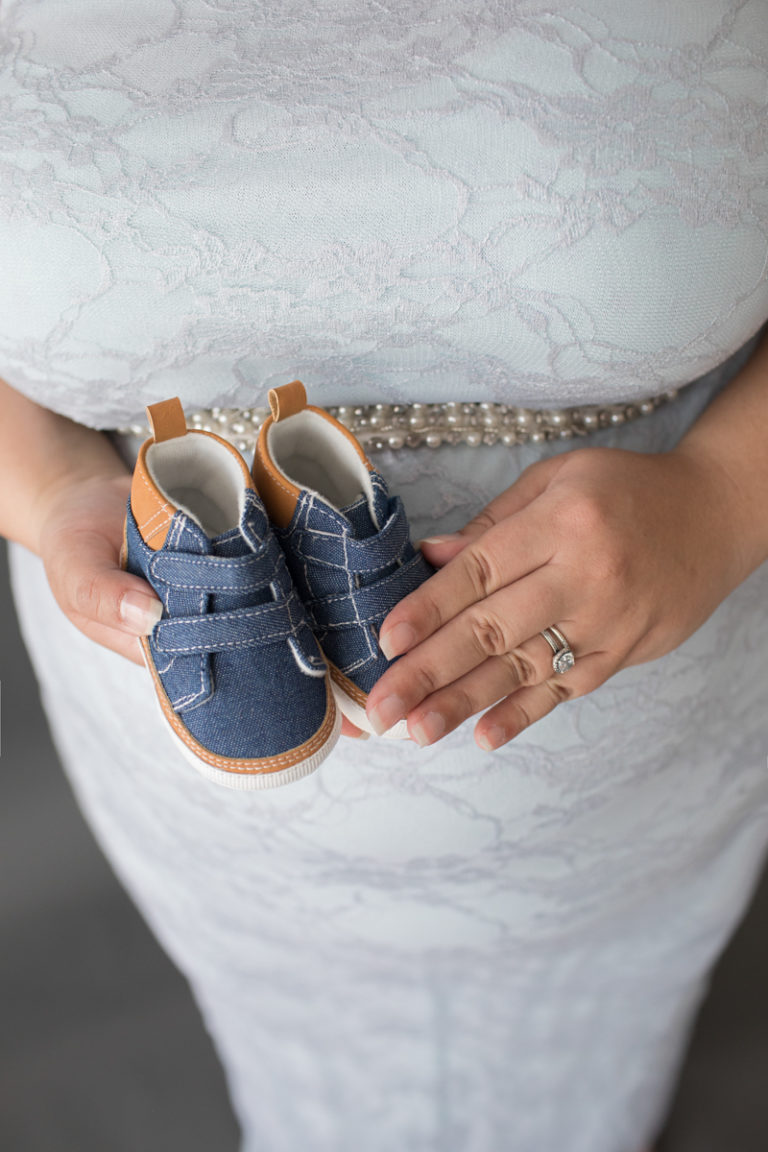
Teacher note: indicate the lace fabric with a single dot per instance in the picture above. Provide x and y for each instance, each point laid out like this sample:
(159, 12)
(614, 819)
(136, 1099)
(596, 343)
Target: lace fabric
(543, 204)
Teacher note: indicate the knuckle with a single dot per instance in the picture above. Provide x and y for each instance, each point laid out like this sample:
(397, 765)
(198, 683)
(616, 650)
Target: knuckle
(421, 610)
(85, 596)
(525, 718)
(425, 680)
(484, 520)
(523, 669)
(481, 572)
(583, 513)
(462, 704)
(559, 690)
(488, 634)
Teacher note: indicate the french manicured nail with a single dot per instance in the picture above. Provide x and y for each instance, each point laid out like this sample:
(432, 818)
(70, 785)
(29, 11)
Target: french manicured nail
(449, 539)
(430, 728)
(397, 640)
(362, 736)
(140, 613)
(492, 739)
(388, 712)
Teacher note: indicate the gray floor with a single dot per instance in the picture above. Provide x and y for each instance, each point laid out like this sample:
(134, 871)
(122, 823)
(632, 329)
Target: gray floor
(101, 1047)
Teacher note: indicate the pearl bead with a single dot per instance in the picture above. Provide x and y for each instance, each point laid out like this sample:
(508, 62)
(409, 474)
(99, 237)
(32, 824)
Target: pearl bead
(395, 426)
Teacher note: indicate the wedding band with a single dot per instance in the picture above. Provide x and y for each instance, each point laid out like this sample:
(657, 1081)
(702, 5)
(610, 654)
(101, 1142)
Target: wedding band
(562, 656)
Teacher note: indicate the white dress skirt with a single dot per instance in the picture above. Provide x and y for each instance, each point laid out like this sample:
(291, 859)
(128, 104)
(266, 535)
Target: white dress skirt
(442, 949)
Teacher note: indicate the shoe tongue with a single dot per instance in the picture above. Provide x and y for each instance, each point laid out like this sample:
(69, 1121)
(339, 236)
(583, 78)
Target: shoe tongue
(243, 540)
(367, 517)
(246, 537)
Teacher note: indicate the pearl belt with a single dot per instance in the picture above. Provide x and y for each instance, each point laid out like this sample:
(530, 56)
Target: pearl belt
(392, 426)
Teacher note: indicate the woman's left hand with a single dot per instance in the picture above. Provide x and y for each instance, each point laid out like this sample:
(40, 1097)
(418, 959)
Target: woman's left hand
(626, 553)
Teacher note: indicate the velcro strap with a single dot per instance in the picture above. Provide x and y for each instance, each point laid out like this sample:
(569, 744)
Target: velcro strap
(373, 552)
(371, 603)
(226, 631)
(186, 570)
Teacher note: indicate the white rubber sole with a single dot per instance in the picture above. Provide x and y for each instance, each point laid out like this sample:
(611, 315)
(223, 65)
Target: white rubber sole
(257, 780)
(358, 716)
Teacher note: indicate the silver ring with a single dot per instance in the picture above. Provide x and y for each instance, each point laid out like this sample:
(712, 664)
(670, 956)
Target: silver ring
(562, 656)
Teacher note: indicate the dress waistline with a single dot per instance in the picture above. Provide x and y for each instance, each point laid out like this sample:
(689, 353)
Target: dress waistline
(379, 427)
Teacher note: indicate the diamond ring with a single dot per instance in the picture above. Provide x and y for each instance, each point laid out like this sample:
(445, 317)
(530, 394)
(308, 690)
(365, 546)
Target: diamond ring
(562, 656)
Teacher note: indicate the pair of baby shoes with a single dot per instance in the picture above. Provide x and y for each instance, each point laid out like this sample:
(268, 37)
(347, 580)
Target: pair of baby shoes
(273, 583)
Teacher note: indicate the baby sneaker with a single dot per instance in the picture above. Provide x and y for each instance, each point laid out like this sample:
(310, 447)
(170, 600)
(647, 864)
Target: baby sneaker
(345, 538)
(237, 670)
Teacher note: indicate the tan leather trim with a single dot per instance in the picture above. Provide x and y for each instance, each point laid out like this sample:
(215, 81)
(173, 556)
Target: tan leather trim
(280, 496)
(243, 766)
(166, 419)
(287, 400)
(344, 682)
(123, 561)
(152, 511)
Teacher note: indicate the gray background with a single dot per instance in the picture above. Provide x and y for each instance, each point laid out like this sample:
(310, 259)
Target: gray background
(101, 1046)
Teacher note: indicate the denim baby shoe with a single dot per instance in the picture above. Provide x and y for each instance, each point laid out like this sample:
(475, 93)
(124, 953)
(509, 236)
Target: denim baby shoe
(237, 670)
(345, 538)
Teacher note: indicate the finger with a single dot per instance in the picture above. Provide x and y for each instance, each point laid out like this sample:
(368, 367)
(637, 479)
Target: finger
(493, 627)
(440, 549)
(88, 583)
(502, 555)
(530, 663)
(349, 729)
(529, 485)
(523, 708)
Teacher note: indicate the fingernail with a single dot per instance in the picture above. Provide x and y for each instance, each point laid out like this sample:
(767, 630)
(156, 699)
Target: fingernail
(140, 613)
(492, 739)
(397, 640)
(449, 539)
(362, 735)
(384, 715)
(430, 728)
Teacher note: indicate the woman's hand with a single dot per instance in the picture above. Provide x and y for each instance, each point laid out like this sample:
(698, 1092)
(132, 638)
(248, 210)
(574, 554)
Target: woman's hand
(79, 544)
(627, 554)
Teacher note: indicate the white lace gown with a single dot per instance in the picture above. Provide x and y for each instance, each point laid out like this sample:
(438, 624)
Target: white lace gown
(438, 950)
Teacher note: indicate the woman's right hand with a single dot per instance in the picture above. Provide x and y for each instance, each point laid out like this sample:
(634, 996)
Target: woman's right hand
(80, 538)
(81, 530)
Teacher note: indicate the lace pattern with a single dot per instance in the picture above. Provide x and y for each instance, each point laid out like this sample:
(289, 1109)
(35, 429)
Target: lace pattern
(541, 204)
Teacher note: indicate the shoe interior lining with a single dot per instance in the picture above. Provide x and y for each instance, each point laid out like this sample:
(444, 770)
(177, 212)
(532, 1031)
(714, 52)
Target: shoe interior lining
(201, 478)
(312, 453)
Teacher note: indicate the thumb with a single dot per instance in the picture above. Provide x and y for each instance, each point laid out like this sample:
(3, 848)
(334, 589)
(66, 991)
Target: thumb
(108, 604)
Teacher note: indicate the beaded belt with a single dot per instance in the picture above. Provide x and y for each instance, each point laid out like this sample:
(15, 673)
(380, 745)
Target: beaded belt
(393, 426)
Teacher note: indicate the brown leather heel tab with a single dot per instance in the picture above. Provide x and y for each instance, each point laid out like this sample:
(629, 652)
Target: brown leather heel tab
(166, 419)
(287, 400)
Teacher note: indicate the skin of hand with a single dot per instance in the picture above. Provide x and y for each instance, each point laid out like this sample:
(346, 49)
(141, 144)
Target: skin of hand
(627, 553)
